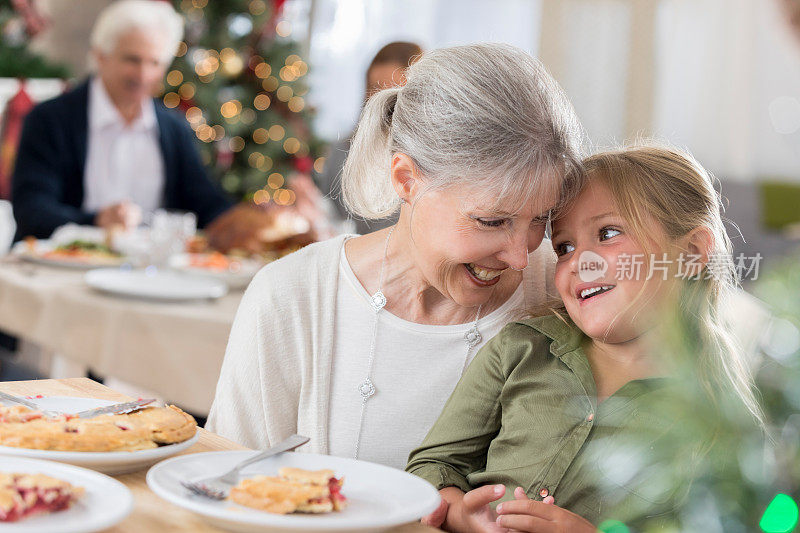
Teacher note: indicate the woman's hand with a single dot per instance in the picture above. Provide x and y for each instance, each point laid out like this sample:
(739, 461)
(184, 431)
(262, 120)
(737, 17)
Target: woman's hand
(524, 514)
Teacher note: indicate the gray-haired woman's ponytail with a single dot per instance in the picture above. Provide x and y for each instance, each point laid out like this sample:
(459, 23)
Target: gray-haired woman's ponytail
(366, 188)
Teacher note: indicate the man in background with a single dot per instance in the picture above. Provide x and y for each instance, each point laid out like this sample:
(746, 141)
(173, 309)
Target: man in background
(107, 152)
(387, 69)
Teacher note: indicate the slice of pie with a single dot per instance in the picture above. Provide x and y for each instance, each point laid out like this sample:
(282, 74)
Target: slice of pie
(25, 495)
(294, 491)
(167, 425)
(104, 433)
(21, 427)
(18, 413)
(335, 500)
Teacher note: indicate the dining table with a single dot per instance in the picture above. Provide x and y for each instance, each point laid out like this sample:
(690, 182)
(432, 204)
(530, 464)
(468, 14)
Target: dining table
(170, 349)
(150, 513)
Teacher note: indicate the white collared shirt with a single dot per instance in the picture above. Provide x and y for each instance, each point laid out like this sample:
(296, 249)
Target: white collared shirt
(123, 161)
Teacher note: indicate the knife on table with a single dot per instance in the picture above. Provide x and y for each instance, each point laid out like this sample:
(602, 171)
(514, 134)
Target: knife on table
(116, 409)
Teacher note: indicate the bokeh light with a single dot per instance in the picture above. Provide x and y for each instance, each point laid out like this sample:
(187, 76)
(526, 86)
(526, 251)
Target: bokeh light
(230, 108)
(275, 180)
(263, 70)
(175, 77)
(296, 104)
(172, 100)
(276, 132)
(283, 28)
(255, 159)
(261, 102)
(613, 526)
(261, 197)
(291, 145)
(284, 93)
(236, 144)
(194, 115)
(780, 515)
(260, 135)
(257, 7)
(270, 83)
(187, 91)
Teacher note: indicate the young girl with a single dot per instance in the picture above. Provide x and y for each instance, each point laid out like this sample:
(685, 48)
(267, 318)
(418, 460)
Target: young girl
(570, 413)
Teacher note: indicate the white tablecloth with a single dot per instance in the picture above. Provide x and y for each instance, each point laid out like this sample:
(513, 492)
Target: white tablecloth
(174, 349)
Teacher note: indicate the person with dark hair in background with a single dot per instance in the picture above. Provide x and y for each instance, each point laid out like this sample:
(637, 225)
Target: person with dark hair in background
(387, 69)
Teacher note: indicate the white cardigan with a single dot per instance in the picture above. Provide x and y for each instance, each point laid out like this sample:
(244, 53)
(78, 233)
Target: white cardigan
(275, 379)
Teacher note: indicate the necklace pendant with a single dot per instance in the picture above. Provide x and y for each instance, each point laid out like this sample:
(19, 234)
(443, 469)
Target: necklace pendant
(378, 301)
(366, 389)
(473, 337)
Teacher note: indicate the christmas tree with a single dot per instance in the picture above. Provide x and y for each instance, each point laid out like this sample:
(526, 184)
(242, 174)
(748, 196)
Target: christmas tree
(239, 80)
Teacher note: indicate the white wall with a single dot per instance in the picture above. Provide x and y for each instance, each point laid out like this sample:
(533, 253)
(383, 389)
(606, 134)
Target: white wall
(725, 73)
(728, 81)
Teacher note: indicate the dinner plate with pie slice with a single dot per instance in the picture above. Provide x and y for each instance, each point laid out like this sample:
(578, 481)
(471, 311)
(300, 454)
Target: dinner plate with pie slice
(376, 497)
(137, 449)
(41, 496)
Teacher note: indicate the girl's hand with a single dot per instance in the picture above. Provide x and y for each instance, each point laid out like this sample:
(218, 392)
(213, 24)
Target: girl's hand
(475, 513)
(437, 518)
(524, 514)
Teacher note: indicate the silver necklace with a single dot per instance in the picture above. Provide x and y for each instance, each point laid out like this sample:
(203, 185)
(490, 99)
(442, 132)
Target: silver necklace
(472, 337)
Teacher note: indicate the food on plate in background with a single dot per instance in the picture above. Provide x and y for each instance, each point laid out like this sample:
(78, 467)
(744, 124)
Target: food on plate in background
(80, 248)
(214, 261)
(78, 251)
(254, 231)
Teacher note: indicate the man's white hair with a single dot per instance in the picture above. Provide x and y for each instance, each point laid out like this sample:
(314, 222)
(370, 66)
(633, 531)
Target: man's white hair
(149, 16)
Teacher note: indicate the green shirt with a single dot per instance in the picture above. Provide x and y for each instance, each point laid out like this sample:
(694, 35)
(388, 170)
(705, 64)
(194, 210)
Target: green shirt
(525, 414)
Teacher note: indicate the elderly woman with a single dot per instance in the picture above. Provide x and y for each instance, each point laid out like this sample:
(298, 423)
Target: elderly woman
(358, 341)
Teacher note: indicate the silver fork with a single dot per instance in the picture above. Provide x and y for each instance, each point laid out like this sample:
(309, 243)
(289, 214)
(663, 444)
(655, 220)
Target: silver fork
(217, 487)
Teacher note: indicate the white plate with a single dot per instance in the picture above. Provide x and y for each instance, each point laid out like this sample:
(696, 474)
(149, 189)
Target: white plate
(379, 497)
(234, 279)
(107, 462)
(153, 284)
(105, 503)
(42, 246)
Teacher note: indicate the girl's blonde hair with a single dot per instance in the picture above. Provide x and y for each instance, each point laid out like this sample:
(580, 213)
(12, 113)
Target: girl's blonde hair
(485, 115)
(651, 183)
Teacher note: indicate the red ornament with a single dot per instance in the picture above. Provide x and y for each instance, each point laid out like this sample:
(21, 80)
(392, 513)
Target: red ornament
(34, 21)
(303, 164)
(16, 109)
